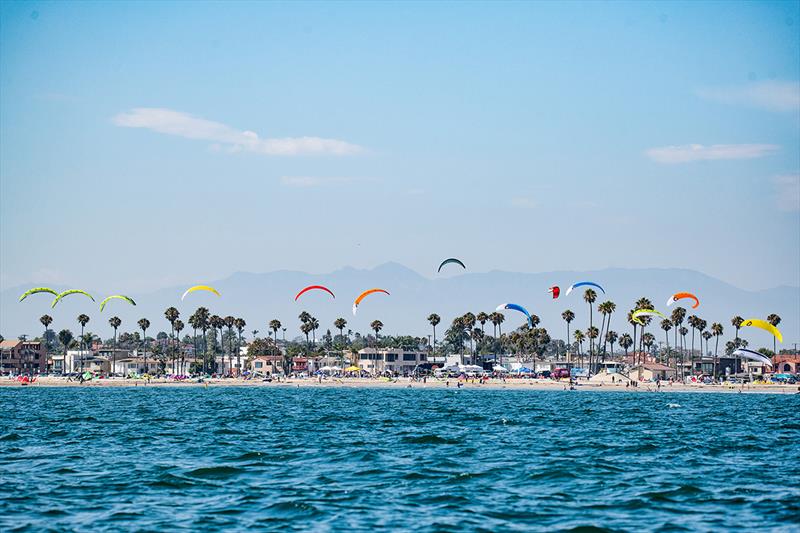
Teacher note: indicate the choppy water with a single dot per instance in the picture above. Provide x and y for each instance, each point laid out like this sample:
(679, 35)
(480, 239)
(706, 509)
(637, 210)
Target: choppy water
(431, 460)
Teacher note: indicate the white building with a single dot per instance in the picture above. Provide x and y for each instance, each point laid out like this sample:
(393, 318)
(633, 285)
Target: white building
(390, 360)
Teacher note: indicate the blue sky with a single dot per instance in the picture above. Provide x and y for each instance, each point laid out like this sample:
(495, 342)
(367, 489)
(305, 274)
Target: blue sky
(150, 144)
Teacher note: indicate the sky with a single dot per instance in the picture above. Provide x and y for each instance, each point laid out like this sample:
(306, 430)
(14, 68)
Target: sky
(144, 145)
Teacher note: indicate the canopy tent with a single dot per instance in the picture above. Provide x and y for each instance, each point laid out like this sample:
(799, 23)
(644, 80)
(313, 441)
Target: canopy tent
(498, 368)
(352, 369)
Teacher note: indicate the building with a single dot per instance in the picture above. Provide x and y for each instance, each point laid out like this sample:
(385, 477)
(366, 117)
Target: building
(135, 365)
(22, 357)
(650, 372)
(83, 360)
(786, 363)
(266, 364)
(395, 360)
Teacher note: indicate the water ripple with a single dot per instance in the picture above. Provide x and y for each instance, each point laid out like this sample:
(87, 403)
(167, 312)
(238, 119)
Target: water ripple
(288, 459)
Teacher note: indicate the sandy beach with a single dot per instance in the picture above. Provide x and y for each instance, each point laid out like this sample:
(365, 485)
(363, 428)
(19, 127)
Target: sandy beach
(404, 383)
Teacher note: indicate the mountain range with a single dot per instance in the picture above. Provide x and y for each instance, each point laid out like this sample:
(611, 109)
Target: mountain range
(258, 298)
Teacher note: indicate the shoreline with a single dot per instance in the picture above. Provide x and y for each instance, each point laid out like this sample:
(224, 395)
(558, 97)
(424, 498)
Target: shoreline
(355, 383)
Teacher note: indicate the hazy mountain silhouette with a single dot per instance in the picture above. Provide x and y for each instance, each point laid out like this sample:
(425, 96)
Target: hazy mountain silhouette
(259, 298)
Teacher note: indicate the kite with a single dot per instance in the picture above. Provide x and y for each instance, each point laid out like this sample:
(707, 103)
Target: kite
(681, 295)
(645, 312)
(744, 353)
(116, 296)
(364, 295)
(582, 283)
(451, 260)
(763, 324)
(313, 287)
(61, 295)
(200, 288)
(555, 290)
(37, 290)
(515, 307)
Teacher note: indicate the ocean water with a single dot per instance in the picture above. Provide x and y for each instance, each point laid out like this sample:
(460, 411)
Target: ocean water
(147, 458)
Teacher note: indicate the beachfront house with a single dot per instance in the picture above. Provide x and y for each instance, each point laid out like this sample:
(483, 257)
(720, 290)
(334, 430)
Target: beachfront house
(650, 372)
(86, 361)
(786, 363)
(22, 357)
(265, 364)
(395, 360)
(135, 364)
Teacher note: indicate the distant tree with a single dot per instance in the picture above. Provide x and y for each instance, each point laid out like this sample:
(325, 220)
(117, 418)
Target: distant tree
(115, 323)
(434, 320)
(774, 320)
(144, 324)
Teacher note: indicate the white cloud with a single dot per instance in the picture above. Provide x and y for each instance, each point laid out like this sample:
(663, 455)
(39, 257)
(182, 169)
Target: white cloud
(770, 95)
(315, 181)
(697, 152)
(787, 192)
(172, 122)
(523, 203)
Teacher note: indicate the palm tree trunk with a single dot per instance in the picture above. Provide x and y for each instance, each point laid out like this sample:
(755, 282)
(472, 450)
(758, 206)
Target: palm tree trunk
(114, 355)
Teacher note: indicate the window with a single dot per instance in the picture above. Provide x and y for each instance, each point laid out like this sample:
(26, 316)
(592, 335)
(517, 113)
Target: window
(259, 364)
(391, 357)
(409, 357)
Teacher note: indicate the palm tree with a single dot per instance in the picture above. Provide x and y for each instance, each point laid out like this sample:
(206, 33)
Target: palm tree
(611, 338)
(677, 317)
(717, 330)
(65, 337)
(626, 342)
(683, 331)
(376, 326)
(143, 325)
(240, 324)
(635, 323)
(82, 320)
(701, 326)
(647, 340)
(589, 296)
(202, 322)
(275, 325)
(433, 320)
(46, 320)
(644, 321)
(340, 324)
(229, 323)
(314, 323)
(592, 333)
(305, 328)
(195, 323)
(772, 319)
(579, 338)
(304, 317)
(706, 336)
(666, 325)
(497, 320)
(217, 323)
(172, 314)
(115, 323)
(179, 325)
(568, 316)
(737, 322)
(483, 318)
(694, 323)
